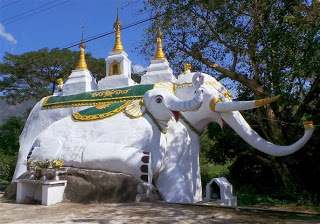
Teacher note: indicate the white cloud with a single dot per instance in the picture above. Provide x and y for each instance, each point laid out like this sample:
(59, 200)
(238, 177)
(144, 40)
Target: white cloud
(138, 69)
(7, 36)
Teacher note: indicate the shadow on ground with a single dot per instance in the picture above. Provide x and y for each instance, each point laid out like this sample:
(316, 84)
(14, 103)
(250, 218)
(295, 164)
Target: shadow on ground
(153, 212)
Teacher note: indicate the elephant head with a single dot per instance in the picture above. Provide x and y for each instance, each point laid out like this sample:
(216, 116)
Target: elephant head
(218, 107)
(161, 104)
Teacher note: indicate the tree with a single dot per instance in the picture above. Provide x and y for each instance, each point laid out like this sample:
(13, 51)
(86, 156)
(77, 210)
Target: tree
(9, 146)
(33, 75)
(136, 72)
(264, 48)
(9, 135)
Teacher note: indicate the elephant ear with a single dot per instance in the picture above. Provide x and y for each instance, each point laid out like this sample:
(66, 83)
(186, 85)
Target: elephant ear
(136, 109)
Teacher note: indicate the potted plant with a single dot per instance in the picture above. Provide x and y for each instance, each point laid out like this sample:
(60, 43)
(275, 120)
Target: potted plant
(56, 165)
(39, 167)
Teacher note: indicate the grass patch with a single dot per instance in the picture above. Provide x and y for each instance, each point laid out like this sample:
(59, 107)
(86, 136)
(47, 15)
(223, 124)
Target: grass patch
(4, 184)
(4, 181)
(248, 197)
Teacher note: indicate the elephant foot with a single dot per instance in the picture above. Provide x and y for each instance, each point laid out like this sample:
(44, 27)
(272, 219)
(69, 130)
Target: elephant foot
(173, 187)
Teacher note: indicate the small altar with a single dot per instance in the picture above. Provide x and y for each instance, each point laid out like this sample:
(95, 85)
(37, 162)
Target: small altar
(49, 192)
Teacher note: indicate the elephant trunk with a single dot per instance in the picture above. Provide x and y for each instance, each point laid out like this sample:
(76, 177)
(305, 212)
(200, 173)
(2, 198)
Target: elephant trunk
(189, 105)
(217, 105)
(238, 124)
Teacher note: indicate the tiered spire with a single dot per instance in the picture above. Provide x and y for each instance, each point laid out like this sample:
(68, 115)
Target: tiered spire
(159, 54)
(118, 26)
(159, 69)
(82, 64)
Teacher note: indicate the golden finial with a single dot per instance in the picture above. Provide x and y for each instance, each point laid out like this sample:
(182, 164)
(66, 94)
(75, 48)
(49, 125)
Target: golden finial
(187, 67)
(118, 26)
(82, 64)
(60, 81)
(159, 53)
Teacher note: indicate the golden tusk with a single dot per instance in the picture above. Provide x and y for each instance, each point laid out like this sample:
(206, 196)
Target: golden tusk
(266, 101)
(308, 125)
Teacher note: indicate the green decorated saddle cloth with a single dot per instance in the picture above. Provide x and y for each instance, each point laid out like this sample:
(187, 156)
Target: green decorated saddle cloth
(105, 103)
(96, 98)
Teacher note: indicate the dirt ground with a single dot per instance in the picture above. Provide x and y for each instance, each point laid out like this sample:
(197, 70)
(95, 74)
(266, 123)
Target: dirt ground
(159, 212)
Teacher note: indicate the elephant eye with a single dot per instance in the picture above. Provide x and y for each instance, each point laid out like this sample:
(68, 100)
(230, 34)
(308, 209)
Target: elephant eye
(159, 99)
(196, 91)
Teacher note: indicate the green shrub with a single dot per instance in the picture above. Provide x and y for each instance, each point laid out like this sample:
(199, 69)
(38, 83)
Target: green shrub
(7, 166)
(9, 135)
(209, 170)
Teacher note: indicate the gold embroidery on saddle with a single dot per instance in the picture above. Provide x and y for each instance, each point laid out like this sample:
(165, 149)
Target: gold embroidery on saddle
(110, 92)
(103, 105)
(93, 114)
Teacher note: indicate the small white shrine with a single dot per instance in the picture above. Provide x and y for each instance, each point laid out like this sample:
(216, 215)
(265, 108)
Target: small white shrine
(219, 191)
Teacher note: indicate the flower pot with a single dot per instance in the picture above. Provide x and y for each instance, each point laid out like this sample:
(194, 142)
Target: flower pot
(38, 174)
(32, 172)
(43, 173)
(56, 174)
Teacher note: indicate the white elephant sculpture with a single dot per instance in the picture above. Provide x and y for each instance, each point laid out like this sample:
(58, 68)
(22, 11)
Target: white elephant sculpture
(117, 143)
(183, 184)
(54, 108)
(178, 179)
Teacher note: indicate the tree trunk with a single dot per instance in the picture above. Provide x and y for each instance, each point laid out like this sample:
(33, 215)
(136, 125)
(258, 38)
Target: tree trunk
(281, 170)
(53, 87)
(272, 131)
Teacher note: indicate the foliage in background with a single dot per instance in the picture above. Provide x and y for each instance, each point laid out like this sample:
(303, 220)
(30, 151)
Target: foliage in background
(7, 166)
(33, 75)
(262, 48)
(9, 135)
(9, 146)
(136, 72)
(249, 196)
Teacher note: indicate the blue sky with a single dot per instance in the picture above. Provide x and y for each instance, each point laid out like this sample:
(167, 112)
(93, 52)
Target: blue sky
(60, 26)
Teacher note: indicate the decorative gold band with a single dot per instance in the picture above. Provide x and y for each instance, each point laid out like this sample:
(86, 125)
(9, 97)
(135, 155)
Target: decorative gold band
(163, 131)
(189, 124)
(308, 125)
(266, 101)
(213, 103)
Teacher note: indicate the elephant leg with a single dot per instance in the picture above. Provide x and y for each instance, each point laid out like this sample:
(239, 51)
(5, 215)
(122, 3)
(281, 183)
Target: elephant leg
(173, 187)
(45, 148)
(118, 158)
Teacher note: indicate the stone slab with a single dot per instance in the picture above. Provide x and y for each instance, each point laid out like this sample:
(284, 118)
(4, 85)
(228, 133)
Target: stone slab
(88, 186)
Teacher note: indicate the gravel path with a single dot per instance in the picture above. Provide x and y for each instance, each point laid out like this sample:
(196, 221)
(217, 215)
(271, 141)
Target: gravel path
(159, 212)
